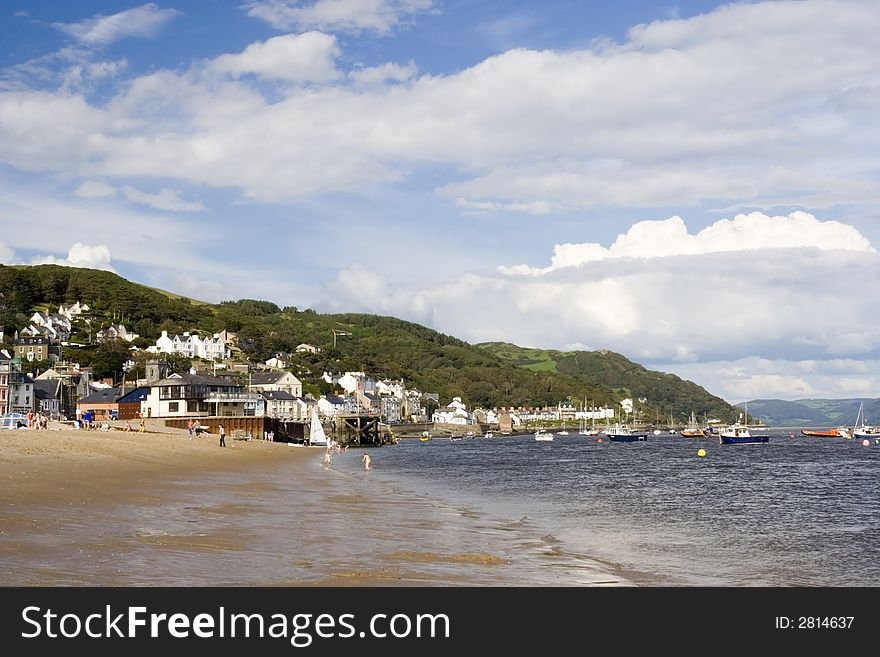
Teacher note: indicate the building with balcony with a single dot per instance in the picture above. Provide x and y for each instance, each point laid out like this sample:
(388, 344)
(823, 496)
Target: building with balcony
(189, 395)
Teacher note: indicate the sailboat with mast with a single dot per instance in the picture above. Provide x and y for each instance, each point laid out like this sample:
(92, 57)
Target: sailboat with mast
(693, 430)
(317, 435)
(592, 431)
(862, 430)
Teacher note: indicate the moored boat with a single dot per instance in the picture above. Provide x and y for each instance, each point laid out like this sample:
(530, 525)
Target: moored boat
(624, 434)
(693, 430)
(839, 432)
(739, 434)
(864, 430)
(543, 435)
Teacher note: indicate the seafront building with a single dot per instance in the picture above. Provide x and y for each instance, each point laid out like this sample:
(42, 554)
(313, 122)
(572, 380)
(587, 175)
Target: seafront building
(5, 361)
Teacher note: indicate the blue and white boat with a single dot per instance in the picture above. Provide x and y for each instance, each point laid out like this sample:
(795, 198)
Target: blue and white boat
(623, 434)
(739, 434)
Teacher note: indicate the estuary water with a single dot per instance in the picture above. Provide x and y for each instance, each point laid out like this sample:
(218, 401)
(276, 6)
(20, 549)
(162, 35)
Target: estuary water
(799, 511)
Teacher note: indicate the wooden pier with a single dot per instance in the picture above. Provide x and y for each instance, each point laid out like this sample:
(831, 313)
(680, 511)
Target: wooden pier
(361, 431)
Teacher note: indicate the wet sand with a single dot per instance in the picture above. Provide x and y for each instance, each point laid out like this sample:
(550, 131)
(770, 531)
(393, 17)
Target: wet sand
(96, 508)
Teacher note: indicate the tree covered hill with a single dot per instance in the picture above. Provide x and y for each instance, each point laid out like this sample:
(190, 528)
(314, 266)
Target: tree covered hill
(663, 393)
(383, 347)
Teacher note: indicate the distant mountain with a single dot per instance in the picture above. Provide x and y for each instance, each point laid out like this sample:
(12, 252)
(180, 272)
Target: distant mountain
(812, 412)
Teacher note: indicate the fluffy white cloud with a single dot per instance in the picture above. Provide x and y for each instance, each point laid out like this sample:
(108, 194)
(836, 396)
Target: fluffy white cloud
(530, 131)
(745, 232)
(143, 21)
(308, 57)
(380, 16)
(80, 255)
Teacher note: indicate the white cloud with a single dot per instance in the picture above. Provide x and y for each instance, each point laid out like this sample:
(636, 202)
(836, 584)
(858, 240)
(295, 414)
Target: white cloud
(80, 255)
(308, 57)
(693, 298)
(761, 378)
(378, 75)
(381, 16)
(143, 21)
(95, 189)
(745, 232)
(165, 199)
(527, 131)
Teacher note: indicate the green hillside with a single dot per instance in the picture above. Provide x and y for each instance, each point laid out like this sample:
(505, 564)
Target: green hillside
(488, 375)
(663, 393)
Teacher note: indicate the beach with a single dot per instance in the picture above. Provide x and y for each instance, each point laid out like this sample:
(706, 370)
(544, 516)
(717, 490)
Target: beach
(116, 508)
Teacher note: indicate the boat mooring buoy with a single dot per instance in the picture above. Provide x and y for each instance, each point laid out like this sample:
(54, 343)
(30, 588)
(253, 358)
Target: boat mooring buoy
(600, 441)
(866, 443)
(701, 452)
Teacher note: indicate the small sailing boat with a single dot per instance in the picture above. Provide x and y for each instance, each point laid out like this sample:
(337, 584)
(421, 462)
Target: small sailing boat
(693, 430)
(592, 431)
(317, 436)
(862, 429)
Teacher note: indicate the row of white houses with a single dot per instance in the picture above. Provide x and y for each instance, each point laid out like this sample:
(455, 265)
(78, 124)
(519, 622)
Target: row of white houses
(193, 345)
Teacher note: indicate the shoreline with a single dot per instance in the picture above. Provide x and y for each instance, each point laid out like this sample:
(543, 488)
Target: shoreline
(113, 508)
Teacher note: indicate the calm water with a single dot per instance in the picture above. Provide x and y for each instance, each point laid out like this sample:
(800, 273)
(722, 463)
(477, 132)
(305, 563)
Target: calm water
(798, 511)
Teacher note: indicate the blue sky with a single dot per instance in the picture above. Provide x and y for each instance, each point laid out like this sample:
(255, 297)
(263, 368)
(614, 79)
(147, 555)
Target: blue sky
(694, 185)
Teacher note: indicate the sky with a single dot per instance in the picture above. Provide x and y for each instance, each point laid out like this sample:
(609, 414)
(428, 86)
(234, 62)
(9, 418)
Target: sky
(693, 185)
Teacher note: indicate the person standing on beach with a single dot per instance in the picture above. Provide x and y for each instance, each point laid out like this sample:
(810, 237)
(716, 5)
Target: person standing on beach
(368, 462)
(189, 425)
(222, 436)
(143, 426)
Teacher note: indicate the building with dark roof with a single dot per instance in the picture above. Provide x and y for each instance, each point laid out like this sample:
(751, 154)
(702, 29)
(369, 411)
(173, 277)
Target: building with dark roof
(197, 395)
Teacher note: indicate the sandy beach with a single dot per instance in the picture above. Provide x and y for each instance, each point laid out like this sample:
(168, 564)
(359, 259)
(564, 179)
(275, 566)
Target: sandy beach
(65, 464)
(113, 508)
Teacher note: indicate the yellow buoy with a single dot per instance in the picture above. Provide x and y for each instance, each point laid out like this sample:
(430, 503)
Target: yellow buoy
(701, 452)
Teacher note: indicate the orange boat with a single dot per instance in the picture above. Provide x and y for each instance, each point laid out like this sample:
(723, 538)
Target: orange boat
(839, 432)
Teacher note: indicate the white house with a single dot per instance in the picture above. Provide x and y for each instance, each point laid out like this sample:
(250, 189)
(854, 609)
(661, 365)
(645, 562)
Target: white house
(307, 348)
(389, 387)
(73, 310)
(191, 345)
(55, 325)
(115, 332)
(331, 406)
(281, 381)
(455, 413)
(356, 382)
(280, 404)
